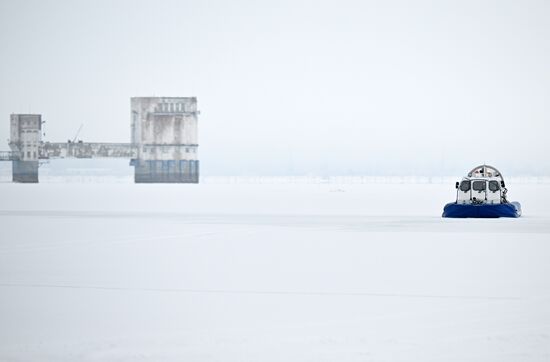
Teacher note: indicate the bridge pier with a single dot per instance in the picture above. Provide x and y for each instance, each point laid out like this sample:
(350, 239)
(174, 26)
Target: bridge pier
(166, 171)
(163, 148)
(25, 132)
(164, 131)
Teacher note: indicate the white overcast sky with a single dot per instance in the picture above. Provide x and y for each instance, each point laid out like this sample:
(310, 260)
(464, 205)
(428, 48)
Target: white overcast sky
(339, 87)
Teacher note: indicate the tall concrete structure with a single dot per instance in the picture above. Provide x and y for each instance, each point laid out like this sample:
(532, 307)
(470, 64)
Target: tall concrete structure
(163, 148)
(165, 134)
(25, 141)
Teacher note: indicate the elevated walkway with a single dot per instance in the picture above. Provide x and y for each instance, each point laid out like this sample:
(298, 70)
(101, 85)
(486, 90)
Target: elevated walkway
(9, 156)
(49, 150)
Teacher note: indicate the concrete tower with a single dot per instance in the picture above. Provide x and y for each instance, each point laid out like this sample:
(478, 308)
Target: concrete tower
(165, 133)
(25, 138)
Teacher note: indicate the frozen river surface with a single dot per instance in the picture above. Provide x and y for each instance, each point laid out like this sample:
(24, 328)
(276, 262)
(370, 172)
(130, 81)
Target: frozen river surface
(124, 272)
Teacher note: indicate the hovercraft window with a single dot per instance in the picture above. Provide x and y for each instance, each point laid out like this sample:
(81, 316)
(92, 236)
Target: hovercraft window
(478, 185)
(494, 186)
(465, 186)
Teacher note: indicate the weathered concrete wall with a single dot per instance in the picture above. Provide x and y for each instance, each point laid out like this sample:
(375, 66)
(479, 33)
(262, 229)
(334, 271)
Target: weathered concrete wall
(25, 171)
(164, 120)
(165, 129)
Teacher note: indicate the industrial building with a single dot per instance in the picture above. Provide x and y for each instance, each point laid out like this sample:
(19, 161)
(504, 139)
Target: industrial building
(25, 140)
(163, 147)
(165, 133)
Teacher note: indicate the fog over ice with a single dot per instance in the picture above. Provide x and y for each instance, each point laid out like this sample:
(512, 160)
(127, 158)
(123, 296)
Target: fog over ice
(294, 87)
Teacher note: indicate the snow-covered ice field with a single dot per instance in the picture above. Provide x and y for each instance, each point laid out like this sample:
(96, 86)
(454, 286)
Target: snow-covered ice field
(268, 272)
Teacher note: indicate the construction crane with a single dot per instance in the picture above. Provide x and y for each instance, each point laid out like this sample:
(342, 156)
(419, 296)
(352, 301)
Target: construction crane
(77, 133)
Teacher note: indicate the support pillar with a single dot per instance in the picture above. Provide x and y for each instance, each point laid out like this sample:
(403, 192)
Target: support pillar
(166, 171)
(25, 171)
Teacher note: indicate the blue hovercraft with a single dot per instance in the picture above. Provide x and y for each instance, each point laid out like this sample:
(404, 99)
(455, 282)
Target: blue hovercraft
(482, 194)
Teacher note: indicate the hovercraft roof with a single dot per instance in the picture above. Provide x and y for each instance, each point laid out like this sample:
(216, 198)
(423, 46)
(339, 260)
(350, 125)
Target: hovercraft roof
(485, 171)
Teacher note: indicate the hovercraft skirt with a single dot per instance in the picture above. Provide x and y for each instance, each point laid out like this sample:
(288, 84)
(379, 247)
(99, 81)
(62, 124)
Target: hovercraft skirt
(512, 209)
